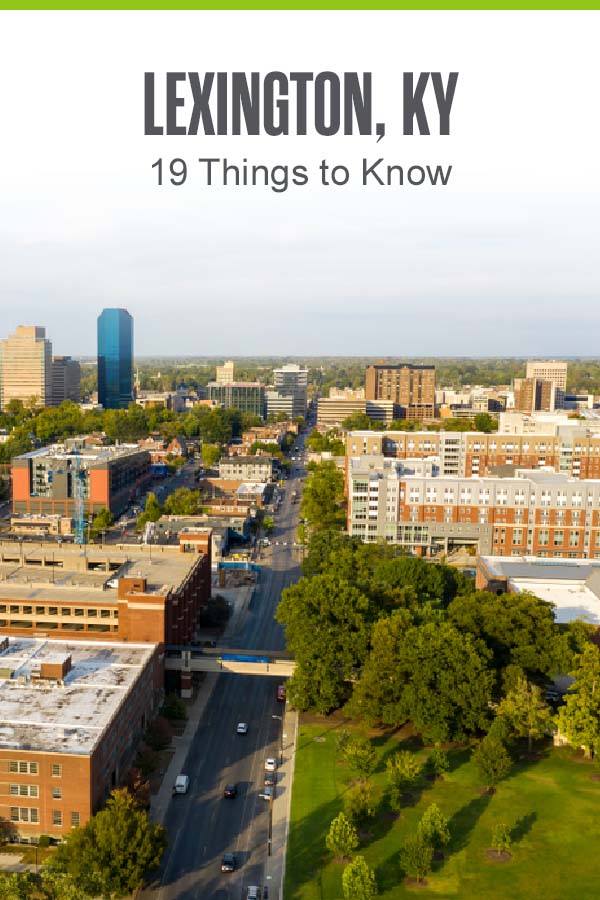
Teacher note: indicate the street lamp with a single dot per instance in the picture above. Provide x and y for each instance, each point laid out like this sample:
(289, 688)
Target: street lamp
(280, 719)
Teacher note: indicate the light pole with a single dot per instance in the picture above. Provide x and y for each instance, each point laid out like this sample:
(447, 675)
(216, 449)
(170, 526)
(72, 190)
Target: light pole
(280, 719)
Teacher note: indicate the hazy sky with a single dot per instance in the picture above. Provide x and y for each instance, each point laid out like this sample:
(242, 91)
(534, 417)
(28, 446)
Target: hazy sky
(504, 261)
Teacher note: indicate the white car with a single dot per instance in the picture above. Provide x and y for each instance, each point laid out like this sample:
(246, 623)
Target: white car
(242, 728)
(270, 764)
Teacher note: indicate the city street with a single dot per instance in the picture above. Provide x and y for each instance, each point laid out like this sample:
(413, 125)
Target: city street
(202, 824)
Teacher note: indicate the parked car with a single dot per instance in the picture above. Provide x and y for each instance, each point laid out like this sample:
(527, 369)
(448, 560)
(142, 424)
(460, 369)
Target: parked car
(269, 779)
(270, 764)
(242, 728)
(267, 793)
(230, 791)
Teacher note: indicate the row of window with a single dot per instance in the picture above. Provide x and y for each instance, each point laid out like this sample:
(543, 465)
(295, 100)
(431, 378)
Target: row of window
(65, 611)
(25, 767)
(32, 815)
(32, 790)
(53, 626)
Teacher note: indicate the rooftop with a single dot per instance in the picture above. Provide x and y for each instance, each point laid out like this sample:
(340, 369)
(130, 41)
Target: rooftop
(572, 585)
(45, 715)
(95, 455)
(32, 571)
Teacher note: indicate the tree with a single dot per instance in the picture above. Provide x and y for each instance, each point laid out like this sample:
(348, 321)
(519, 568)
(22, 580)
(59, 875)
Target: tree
(342, 837)
(358, 421)
(501, 839)
(484, 422)
(101, 522)
(211, 454)
(360, 757)
(492, 760)
(358, 880)
(526, 712)
(152, 512)
(358, 801)
(327, 624)
(323, 502)
(518, 629)
(110, 855)
(416, 856)
(438, 761)
(16, 885)
(402, 769)
(58, 886)
(433, 827)
(579, 718)
(182, 502)
(431, 675)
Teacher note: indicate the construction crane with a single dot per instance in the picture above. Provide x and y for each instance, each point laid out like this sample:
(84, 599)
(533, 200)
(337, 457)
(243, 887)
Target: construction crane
(79, 479)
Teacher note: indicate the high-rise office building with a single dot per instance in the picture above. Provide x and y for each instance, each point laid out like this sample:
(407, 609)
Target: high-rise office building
(115, 358)
(66, 380)
(292, 381)
(534, 394)
(553, 370)
(225, 372)
(26, 366)
(411, 387)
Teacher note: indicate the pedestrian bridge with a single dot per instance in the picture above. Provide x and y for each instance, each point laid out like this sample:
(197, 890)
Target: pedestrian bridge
(220, 659)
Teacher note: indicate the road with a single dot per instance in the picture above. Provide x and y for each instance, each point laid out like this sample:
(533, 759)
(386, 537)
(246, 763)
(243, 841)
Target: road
(202, 825)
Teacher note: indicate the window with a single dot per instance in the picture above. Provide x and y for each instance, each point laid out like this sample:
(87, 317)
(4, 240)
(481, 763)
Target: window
(574, 539)
(14, 609)
(23, 790)
(53, 610)
(27, 610)
(56, 793)
(105, 613)
(24, 814)
(92, 613)
(75, 819)
(543, 537)
(66, 611)
(559, 538)
(23, 768)
(78, 611)
(56, 770)
(56, 817)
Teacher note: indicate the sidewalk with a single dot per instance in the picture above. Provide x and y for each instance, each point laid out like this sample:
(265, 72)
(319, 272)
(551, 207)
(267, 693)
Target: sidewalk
(275, 866)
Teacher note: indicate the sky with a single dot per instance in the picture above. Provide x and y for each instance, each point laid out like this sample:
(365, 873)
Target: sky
(504, 261)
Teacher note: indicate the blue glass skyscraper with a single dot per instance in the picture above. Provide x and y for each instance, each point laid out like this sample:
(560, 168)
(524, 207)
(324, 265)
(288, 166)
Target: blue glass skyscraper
(115, 358)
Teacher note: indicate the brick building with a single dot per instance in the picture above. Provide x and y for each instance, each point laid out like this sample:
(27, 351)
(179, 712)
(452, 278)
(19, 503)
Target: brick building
(539, 513)
(118, 593)
(43, 480)
(71, 715)
(575, 451)
(411, 387)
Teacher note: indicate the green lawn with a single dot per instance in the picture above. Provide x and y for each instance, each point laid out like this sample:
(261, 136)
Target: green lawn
(552, 806)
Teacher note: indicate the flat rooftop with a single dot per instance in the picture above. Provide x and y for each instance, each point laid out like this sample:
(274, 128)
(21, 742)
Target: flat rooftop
(30, 571)
(40, 714)
(572, 585)
(87, 455)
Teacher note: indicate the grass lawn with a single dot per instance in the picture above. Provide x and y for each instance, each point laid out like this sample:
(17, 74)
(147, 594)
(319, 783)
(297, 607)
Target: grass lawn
(552, 806)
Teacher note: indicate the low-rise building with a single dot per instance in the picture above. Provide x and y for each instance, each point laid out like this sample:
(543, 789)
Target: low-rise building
(247, 468)
(71, 715)
(117, 593)
(571, 585)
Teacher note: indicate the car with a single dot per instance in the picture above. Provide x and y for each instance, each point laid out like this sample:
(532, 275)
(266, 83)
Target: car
(270, 764)
(242, 728)
(281, 693)
(270, 779)
(267, 793)
(252, 892)
(230, 791)
(228, 862)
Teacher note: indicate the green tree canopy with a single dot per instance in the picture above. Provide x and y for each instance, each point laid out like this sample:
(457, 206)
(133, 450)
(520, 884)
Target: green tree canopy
(492, 760)
(525, 711)
(182, 502)
(327, 623)
(433, 827)
(111, 854)
(579, 718)
(358, 880)
(342, 837)
(323, 504)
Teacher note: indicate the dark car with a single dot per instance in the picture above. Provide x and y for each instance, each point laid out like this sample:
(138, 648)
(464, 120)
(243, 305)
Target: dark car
(230, 790)
(228, 863)
(269, 779)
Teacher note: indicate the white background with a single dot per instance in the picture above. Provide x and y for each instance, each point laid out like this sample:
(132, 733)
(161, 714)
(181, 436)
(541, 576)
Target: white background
(504, 261)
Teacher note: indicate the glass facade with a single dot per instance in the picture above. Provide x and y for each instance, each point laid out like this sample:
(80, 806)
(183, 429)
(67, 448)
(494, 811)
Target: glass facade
(115, 359)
